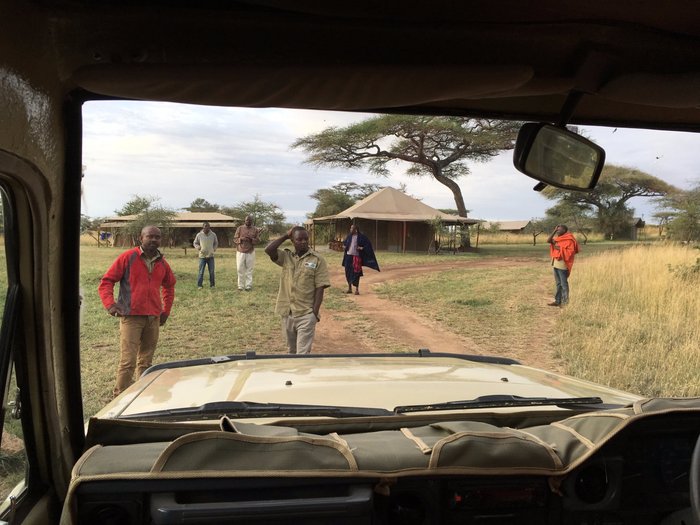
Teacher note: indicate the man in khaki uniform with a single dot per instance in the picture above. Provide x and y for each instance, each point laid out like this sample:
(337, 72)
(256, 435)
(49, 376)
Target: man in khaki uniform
(302, 283)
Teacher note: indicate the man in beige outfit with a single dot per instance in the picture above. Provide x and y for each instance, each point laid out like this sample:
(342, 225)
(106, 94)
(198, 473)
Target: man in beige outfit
(302, 283)
(245, 239)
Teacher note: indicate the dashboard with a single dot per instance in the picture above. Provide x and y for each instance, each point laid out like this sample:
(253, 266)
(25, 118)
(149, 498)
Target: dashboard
(641, 476)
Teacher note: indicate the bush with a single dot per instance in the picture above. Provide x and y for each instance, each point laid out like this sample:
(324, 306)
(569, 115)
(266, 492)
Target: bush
(686, 272)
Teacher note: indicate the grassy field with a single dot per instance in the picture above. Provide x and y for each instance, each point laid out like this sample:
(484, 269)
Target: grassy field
(641, 314)
(495, 307)
(207, 322)
(632, 323)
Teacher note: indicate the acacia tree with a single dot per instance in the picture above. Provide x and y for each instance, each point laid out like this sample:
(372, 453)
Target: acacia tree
(439, 147)
(202, 205)
(663, 218)
(538, 226)
(576, 216)
(148, 212)
(340, 197)
(266, 215)
(684, 223)
(136, 205)
(610, 198)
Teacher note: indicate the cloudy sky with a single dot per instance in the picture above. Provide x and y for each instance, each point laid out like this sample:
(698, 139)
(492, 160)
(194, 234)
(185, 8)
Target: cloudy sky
(228, 155)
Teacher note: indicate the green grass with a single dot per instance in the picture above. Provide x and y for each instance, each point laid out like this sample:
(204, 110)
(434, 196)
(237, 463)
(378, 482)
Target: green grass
(494, 307)
(203, 323)
(632, 322)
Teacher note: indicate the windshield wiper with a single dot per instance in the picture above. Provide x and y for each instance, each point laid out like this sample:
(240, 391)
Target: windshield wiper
(235, 409)
(500, 401)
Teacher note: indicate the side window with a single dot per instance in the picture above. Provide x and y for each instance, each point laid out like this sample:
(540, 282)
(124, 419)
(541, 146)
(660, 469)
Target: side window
(13, 459)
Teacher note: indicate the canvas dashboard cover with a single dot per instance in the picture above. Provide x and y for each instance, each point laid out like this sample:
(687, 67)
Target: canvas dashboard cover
(465, 447)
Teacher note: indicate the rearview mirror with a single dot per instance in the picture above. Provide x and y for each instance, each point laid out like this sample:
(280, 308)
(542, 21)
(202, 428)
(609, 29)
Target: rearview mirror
(558, 157)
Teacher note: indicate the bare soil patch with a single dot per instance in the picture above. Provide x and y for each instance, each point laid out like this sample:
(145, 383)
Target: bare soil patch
(414, 330)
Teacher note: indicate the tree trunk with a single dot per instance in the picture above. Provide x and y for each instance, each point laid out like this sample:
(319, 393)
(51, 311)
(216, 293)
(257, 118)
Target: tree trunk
(459, 202)
(455, 189)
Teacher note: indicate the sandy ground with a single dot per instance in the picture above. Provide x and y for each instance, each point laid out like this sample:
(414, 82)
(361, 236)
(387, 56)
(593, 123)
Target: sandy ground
(416, 331)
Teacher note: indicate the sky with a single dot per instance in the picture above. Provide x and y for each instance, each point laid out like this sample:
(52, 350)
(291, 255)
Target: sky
(178, 153)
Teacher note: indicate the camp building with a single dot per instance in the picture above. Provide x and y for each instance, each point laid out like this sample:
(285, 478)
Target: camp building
(392, 220)
(181, 231)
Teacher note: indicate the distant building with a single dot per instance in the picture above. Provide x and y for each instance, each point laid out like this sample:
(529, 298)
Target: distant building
(183, 228)
(506, 226)
(638, 225)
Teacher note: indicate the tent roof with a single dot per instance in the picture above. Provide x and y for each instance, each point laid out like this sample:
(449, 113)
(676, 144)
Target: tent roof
(390, 204)
(179, 220)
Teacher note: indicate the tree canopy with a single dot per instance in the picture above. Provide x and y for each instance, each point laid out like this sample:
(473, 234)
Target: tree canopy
(337, 198)
(136, 205)
(684, 219)
(202, 205)
(609, 200)
(148, 212)
(579, 217)
(266, 215)
(439, 147)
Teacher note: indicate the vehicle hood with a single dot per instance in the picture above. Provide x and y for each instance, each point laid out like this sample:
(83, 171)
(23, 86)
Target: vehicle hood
(377, 382)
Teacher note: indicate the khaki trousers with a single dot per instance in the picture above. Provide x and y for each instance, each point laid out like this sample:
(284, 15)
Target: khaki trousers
(300, 332)
(138, 337)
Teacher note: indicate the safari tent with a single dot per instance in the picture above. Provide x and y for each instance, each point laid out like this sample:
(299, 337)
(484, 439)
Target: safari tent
(392, 220)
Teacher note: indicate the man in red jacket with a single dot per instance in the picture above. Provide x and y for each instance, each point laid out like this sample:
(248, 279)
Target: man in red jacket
(562, 249)
(143, 276)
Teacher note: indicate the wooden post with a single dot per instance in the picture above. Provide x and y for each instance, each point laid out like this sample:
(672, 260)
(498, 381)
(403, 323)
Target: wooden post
(376, 233)
(403, 247)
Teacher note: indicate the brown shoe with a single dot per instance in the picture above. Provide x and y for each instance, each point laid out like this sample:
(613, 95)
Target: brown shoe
(553, 304)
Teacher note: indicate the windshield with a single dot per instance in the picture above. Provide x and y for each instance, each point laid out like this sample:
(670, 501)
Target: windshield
(466, 270)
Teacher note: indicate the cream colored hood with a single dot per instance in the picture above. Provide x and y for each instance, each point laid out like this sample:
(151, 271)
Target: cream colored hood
(367, 381)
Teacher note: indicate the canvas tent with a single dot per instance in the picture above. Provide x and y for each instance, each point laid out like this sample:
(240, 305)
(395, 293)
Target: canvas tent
(184, 227)
(392, 220)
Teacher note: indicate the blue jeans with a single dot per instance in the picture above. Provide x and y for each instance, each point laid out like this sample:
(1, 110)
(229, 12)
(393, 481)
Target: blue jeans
(561, 279)
(206, 261)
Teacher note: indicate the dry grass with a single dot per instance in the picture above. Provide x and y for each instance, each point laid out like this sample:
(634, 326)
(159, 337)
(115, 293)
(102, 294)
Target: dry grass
(633, 323)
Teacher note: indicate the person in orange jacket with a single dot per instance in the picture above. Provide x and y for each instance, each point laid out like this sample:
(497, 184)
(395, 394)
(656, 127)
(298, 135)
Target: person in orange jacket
(562, 249)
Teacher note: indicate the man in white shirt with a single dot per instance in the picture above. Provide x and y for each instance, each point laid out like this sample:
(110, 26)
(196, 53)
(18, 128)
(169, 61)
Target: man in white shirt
(206, 243)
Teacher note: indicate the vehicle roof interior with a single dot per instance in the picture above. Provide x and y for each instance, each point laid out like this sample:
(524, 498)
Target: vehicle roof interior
(636, 65)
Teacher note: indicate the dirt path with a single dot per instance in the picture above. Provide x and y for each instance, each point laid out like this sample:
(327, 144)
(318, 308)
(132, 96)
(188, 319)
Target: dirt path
(415, 330)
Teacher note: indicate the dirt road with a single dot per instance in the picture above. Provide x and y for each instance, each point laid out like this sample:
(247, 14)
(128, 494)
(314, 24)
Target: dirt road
(412, 329)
